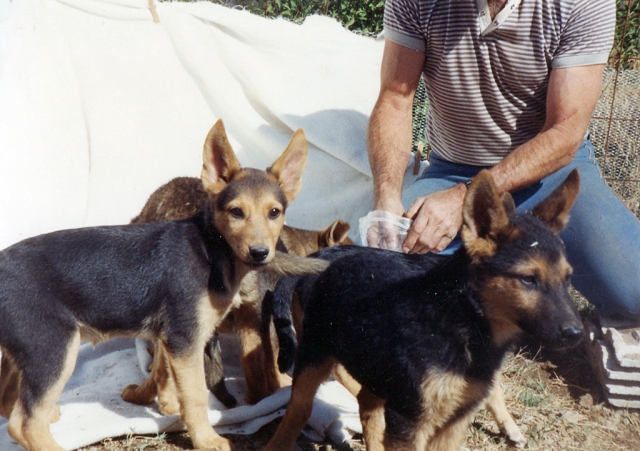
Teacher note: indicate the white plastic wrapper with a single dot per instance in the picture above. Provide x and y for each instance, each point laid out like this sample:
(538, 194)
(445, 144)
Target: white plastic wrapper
(384, 230)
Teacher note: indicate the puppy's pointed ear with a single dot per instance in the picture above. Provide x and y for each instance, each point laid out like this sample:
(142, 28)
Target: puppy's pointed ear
(508, 203)
(337, 233)
(484, 217)
(289, 167)
(554, 210)
(219, 162)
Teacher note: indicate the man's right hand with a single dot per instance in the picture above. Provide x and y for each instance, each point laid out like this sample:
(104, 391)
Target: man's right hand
(382, 234)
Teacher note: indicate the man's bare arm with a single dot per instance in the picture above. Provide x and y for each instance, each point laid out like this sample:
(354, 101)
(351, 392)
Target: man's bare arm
(571, 98)
(389, 136)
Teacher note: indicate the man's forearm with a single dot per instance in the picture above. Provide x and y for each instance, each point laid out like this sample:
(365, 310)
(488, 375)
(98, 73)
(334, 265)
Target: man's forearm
(389, 136)
(534, 160)
(571, 98)
(389, 145)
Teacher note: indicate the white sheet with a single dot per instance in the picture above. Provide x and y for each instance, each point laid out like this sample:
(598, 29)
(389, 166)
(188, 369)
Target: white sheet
(92, 409)
(99, 106)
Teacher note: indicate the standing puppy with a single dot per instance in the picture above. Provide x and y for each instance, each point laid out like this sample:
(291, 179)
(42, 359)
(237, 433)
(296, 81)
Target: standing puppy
(425, 335)
(170, 282)
(181, 198)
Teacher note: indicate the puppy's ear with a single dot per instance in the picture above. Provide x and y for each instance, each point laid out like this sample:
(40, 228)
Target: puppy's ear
(508, 203)
(289, 167)
(219, 162)
(336, 233)
(554, 210)
(484, 217)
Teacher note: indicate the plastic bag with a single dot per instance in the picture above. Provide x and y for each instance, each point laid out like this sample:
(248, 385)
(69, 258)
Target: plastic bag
(384, 230)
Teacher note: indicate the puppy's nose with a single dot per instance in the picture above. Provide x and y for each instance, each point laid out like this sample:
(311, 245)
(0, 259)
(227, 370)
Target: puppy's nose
(259, 253)
(572, 334)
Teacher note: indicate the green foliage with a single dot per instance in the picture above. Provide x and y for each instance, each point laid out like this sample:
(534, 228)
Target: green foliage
(364, 16)
(627, 39)
(288, 9)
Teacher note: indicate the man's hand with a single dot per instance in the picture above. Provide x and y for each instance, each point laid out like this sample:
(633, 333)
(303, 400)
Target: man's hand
(437, 218)
(383, 234)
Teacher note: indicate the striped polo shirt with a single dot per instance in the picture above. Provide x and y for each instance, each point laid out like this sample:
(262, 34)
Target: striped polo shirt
(487, 79)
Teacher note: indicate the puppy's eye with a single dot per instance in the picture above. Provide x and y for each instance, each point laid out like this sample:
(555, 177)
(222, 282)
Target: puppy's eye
(528, 280)
(236, 213)
(274, 213)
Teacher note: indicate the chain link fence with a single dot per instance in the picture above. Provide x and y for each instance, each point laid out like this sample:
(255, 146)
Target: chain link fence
(615, 132)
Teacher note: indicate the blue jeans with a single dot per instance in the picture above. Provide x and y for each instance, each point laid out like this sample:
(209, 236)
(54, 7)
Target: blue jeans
(602, 237)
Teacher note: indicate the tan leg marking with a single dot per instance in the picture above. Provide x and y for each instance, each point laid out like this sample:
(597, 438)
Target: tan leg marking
(442, 394)
(372, 419)
(9, 385)
(451, 437)
(160, 383)
(300, 406)
(342, 375)
(275, 379)
(146, 392)
(168, 398)
(253, 354)
(496, 405)
(188, 373)
(32, 432)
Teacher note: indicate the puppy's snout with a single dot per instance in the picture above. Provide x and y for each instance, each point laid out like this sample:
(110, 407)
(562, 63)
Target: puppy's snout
(572, 334)
(259, 253)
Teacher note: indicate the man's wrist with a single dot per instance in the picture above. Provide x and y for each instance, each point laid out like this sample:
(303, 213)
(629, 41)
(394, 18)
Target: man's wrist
(391, 206)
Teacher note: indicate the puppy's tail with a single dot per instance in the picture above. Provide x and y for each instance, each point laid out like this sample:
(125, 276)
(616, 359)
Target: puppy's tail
(281, 307)
(293, 265)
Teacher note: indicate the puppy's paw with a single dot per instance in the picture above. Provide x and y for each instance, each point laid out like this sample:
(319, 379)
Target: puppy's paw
(217, 444)
(135, 395)
(168, 406)
(515, 436)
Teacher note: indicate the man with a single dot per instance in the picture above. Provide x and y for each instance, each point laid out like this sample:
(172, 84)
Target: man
(512, 85)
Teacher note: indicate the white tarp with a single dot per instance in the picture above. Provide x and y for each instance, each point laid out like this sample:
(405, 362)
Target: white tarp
(99, 106)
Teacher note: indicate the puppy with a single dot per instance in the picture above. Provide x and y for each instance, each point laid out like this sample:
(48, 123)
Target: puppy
(424, 336)
(170, 282)
(184, 196)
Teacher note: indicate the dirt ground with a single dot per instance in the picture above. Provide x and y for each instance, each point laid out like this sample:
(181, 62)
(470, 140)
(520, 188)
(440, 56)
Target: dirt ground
(554, 398)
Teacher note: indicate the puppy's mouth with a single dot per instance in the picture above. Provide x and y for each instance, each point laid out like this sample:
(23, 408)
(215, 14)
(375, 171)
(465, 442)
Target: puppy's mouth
(563, 343)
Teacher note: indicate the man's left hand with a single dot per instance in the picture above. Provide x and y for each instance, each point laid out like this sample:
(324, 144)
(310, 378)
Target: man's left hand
(437, 218)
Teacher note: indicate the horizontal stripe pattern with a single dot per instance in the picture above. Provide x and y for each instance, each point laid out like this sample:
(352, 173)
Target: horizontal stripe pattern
(487, 92)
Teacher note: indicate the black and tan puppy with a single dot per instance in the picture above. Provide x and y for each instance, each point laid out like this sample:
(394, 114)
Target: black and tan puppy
(425, 335)
(171, 282)
(184, 196)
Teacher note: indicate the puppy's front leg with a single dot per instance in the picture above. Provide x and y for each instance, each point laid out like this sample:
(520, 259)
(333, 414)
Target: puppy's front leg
(188, 373)
(247, 318)
(305, 385)
(9, 385)
(498, 408)
(372, 418)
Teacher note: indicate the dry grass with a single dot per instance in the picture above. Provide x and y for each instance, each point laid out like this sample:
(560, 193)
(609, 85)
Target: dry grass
(554, 398)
